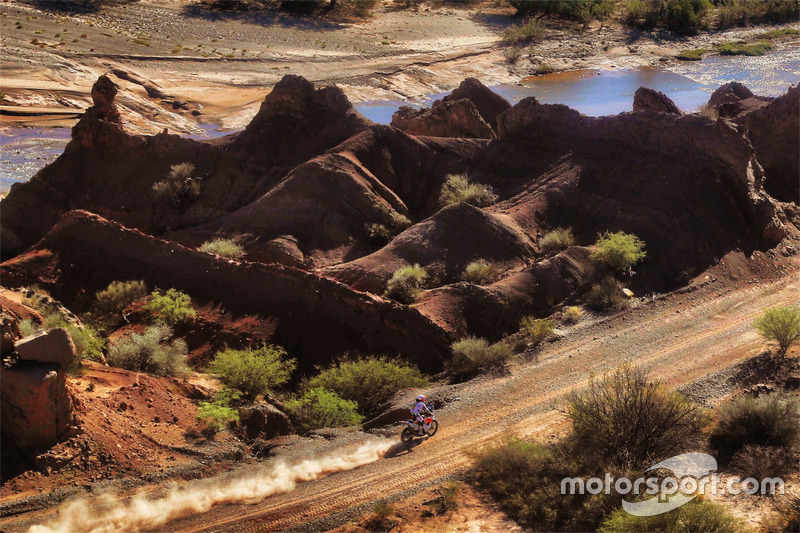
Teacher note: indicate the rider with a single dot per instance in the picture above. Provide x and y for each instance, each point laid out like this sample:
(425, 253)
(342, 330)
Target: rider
(420, 410)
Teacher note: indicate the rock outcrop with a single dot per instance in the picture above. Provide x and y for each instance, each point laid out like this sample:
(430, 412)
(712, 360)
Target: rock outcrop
(50, 346)
(489, 104)
(458, 118)
(315, 318)
(651, 100)
(734, 99)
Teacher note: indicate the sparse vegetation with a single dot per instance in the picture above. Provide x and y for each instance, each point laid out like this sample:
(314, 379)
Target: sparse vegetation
(682, 16)
(694, 54)
(543, 69)
(780, 324)
(319, 407)
(180, 187)
(536, 330)
(572, 314)
(118, 295)
(458, 188)
(606, 294)
(764, 421)
(215, 416)
(370, 382)
(383, 232)
(780, 34)
(527, 32)
(746, 12)
(695, 516)
(762, 462)
(557, 240)
(154, 351)
(582, 11)
(666, 422)
(170, 307)
(472, 355)
(480, 272)
(618, 252)
(405, 283)
(226, 248)
(253, 371)
(741, 48)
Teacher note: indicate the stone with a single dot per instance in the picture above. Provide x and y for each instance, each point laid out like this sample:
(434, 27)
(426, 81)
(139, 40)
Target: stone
(264, 420)
(651, 100)
(51, 346)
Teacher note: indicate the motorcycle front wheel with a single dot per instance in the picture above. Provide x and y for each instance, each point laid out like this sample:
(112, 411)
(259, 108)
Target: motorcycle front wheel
(406, 436)
(433, 429)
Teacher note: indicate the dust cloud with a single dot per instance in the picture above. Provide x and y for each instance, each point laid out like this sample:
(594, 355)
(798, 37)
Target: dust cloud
(105, 514)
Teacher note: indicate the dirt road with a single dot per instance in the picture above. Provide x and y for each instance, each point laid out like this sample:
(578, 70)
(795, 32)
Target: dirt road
(680, 338)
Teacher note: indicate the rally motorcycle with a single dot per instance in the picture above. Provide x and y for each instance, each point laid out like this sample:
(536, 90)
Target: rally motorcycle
(413, 428)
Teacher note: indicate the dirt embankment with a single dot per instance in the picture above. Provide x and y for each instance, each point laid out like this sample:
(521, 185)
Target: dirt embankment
(182, 65)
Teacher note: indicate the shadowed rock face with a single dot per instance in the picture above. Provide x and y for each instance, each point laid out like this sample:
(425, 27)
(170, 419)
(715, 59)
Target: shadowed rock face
(651, 100)
(316, 318)
(489, 104)
(734, 99)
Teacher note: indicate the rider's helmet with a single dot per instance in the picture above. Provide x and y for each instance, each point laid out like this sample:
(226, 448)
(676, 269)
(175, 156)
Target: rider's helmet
(421, 398)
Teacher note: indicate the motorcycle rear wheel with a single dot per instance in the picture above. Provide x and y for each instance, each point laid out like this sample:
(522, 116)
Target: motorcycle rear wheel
(433, 429)
(406, 436)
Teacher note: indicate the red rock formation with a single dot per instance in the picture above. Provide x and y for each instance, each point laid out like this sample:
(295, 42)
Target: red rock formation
(489, 104)
(734, 99)
(316, 318)
(455, 118)
(651, 100)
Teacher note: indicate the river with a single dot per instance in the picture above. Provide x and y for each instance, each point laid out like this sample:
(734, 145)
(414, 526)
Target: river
(23, 151)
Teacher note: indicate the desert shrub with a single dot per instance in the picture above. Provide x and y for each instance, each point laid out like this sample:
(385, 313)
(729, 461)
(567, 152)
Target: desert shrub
(785, 519)
(536, 330)
(28, 327)
(527, 32)
(479, 272)
(118, 295)
(764, 421)
(180, 187)
(383, 232)
(685, 16)
(223, 247)
(525, 479)
(761, 462)
(578, 10)
(543, 69)
(618, 252)
(472, 355)
(319, 407)
(741, 48)
(379, 520)
(449, 496)
(370, 382)
(695, 516)
(170, 307)
(572, 314)
(666, 422)
(253, 371)
(227, 397)
(781, 324)
(643, 13)
(557, 240)
(216, 416)
(405, 283)
(152, 351)
(458, 188)
(745, 12)
(513, 54)
(89, 344)
(606, 294)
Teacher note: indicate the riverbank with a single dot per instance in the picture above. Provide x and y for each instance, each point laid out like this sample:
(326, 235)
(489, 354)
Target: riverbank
(181, 67)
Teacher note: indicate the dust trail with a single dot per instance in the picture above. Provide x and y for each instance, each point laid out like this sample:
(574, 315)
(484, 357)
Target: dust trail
(108, 513)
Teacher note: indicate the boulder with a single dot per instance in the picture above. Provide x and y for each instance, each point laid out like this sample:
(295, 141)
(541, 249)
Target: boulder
(36, 408)
(730, 92)
(651, 100)
(264, 420)
(51, 346)
(490, 105)
(734, 99)
(458, 118)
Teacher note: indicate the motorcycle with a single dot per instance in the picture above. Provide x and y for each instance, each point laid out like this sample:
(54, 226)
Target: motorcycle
(413, 429)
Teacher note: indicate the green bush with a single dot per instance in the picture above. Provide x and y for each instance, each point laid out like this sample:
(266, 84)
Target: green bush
(780, 34)
(216, 416)
(223, 247)
(764, 421)
(694, 517)
(781, 324)
(666, 422)
(479, 272)
(405, 283)
(572, 314)
(119, 295)
(685, 16)
(536, 330)
(253, 371)
(606, 295)
(747, 12)
(578, 10)
(527, 32)
(557, 240)
(152, 351)
(525, 479)
(28, 327)
(318, 408)
(618, 252)
(171, 307)
(89, 344)
(472, 355)
(694, 54)
(459, 189)
(370, 382)
(180, 187)
(383, 232)
(740, 48)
